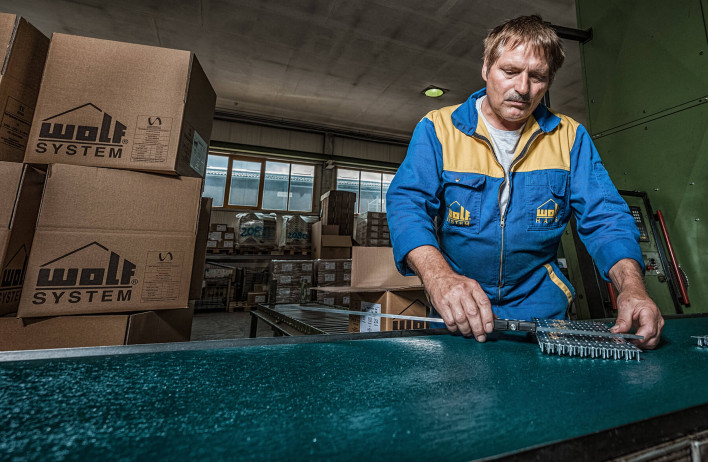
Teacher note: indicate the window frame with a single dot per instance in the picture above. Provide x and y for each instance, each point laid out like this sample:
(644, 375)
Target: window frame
(262, 160)
(358, 196)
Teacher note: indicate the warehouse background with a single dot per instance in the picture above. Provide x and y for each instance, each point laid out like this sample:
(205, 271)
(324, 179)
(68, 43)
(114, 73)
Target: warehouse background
(334, 88)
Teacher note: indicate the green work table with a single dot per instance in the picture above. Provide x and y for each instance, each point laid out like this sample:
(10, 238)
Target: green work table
(396, 397)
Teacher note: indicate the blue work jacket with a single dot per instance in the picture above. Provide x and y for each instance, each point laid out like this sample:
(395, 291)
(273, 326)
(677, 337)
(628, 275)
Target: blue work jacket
(450, 172)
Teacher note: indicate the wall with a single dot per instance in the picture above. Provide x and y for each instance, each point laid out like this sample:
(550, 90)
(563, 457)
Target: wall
(646, 85)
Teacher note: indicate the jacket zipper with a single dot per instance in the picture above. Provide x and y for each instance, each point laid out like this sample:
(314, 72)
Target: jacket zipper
(503, 216)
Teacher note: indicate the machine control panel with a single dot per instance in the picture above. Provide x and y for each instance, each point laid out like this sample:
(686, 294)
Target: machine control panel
(639, 219)
(652, 263)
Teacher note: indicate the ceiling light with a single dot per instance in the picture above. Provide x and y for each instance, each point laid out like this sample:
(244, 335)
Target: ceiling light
(433, 91)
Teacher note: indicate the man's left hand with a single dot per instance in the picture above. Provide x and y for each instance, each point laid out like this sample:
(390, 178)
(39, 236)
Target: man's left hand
(634, 306)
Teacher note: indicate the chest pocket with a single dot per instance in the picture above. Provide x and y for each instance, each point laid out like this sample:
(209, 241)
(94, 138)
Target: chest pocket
(462, 196)
(547, 201)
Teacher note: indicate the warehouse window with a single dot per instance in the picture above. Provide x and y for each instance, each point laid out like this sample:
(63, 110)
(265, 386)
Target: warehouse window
(215, 179)
(370, 188)
(256, 184)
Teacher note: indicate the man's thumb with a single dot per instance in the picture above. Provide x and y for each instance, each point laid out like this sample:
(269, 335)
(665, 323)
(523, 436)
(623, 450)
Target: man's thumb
(623, 324)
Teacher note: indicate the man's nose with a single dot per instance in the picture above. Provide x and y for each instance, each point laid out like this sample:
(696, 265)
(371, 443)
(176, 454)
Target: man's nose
(522, 84)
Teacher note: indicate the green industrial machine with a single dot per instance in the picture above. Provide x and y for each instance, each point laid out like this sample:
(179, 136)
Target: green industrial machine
(645, 74)
(665, 280)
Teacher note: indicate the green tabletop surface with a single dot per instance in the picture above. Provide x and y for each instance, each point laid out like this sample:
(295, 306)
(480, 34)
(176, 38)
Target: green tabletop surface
(437, 397)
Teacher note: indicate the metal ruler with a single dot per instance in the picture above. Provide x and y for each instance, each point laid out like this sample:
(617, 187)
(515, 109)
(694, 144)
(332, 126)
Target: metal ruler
(549, 327)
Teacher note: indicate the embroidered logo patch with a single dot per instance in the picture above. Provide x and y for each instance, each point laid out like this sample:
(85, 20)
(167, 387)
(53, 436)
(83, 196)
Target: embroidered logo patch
(457, 215)
(547, 213)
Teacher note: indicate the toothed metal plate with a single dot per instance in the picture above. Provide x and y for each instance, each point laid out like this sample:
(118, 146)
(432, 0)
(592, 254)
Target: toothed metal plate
(583, 345)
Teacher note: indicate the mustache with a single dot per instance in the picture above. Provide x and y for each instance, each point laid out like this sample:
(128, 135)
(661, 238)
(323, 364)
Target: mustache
(518, 98)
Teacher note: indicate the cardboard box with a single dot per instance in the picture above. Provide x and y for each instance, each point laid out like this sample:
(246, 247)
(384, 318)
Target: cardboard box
(338, 209)
(376, 285)
(120, 105)
(96, 330)
(107, 241)
(329, 246)
(23, 51)
(200, 247)
(409, 302)
(255, 298)
(20, 195)
(375, 268)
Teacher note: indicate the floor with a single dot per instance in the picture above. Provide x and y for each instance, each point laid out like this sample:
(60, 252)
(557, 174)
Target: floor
(220, 325)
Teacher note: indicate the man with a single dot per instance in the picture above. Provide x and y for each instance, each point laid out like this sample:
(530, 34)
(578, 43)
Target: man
(502, 175)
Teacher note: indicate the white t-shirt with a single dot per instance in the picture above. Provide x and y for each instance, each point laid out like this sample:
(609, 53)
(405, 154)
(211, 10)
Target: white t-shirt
(504, 143)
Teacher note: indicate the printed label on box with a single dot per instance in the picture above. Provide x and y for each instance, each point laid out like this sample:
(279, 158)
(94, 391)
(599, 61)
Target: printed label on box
(287, 267)
(307, 267)
(328, 300)
(347, 265)
(15, 124)
(199, 154)
(329, 277)
(286, 279)
(162, 276)
(152, 139)
(330, 265)
(370, 323)
(259, 298)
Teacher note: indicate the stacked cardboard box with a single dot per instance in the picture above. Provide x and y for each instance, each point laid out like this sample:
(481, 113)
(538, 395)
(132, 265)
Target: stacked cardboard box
(291, 280)
(200, 247)
(96, 330)
(250, 280)
(221, 237)
(104, 244)
(296, 231)
(338, 209)
(115, 240)
(255, 230)
(333, 273)
(327, 243)
(378, 287)
(20, 195)
(372, 230)
(120, 105)
(23, 51)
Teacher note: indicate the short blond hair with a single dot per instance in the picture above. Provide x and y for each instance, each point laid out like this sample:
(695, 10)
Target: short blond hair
(525, 29)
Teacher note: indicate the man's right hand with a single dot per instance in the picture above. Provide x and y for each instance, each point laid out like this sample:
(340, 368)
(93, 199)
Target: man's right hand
(459, 300)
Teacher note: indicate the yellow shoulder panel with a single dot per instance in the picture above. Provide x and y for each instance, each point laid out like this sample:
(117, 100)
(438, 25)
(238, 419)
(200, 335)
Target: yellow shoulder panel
(549, 150)
(461, 152)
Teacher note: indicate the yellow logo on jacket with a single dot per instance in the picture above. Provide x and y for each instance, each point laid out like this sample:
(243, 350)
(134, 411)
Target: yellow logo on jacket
(547, 212)
(457, 215)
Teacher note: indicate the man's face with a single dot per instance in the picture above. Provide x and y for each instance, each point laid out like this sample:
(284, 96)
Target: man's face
(516, 83)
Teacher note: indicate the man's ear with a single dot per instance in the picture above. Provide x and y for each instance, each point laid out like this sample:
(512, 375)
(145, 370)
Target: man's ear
(484, 70)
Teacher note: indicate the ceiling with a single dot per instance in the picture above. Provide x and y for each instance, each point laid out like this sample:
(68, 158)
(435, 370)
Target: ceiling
(358, 65)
